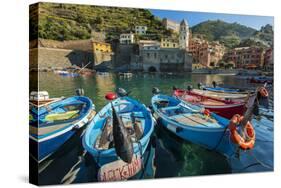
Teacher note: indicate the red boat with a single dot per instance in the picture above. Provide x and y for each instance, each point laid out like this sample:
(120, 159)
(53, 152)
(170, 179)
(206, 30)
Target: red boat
(224, 108)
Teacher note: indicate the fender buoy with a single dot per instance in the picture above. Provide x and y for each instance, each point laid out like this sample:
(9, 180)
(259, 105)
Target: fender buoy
(263, 92)
(249, 131)
(111, 96)
(206, 112)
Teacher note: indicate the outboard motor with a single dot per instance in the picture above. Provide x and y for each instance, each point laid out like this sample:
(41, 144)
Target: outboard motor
(199, 85)
(214, 84)
(79, 92)
(155, 90)
(121, 92)
(189, 88)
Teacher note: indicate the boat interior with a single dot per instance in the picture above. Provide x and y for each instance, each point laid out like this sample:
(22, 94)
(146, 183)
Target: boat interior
(203, 100)
(186, 116)
(134, 124)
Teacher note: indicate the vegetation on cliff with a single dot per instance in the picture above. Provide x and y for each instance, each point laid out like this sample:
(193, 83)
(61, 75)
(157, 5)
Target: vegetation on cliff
(69, 21)
(234, 34)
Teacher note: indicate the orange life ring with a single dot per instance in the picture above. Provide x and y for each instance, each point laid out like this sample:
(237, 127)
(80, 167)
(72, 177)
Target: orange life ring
(249, 131)
(263, 92)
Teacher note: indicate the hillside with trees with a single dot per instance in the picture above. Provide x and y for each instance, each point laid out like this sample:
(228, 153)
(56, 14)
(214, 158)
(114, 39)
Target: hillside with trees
(70, 22)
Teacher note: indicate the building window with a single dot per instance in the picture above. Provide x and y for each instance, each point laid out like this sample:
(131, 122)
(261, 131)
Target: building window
(147, 55)
(155, 55)
(174, 45)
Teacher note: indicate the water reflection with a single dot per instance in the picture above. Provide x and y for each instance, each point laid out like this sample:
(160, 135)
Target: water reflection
(168, 155)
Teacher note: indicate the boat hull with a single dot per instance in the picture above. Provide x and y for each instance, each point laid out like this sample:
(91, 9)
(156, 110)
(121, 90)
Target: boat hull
(212, 138)
(103, 157)
(47, 137)
(221, 107)
(42, 150)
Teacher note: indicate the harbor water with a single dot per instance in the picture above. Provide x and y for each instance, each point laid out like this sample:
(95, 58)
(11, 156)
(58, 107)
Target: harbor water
(167, 155)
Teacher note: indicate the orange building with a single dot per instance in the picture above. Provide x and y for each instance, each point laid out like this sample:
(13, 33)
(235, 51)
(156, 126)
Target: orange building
(206, 53)
(268, 59)
(101, 46)
(246, 57)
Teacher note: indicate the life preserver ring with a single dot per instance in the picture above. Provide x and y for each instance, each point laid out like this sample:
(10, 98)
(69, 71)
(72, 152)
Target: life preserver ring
(249, 131)
(263, 92)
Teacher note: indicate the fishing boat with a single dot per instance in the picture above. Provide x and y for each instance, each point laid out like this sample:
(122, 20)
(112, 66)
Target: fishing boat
(216, 88)
(66, 73)
(118, 136)
(199, 126)
(223, 107)
(51, 124)
(261, 79)
(41, 98)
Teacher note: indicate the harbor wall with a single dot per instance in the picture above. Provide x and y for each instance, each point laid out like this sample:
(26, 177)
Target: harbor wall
(50, 58)
(47, 58)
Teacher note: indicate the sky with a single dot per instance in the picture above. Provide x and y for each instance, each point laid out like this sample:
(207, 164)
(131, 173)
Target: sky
(194, 18)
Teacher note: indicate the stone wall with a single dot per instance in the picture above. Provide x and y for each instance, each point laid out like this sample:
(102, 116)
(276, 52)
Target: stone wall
(124, 54)
(46, 58)
(58, 58)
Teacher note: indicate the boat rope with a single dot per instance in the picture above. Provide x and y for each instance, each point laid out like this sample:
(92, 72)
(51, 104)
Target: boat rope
(146, 161)
(140, 150)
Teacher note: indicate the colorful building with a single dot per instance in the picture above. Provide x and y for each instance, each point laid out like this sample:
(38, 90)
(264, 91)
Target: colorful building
(127, 38)
(246, 57)
(208, 54)
(169, 43)
(268, 59)
(101, 47)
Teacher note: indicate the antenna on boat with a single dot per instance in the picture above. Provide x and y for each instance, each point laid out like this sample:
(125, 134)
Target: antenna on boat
(122, 92)
(214, 84)
(189, 88)
(155, 91)
(79, 92)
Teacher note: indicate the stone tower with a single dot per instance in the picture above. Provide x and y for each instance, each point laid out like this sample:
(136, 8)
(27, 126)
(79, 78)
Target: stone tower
(184, 35)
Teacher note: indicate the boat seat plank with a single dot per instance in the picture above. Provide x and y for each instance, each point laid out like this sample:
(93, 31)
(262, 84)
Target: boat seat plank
(196, 120)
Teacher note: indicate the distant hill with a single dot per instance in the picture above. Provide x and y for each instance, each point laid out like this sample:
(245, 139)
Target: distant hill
(69, 22)
(230, 34)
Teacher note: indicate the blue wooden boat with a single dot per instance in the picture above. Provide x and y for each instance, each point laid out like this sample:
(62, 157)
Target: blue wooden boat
(99, 136)
(223, 89)
(53, 123)
(190, 123)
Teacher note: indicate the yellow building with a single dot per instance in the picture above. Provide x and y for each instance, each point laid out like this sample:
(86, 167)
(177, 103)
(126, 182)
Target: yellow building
(169, 43)
(101, 47)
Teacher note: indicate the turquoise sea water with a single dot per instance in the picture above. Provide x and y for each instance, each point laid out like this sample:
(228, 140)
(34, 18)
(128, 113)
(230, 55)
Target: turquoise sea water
(167, 155)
